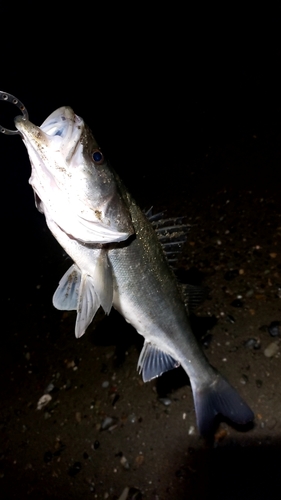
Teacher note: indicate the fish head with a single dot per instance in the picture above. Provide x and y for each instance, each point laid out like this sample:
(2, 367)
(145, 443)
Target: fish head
(74, 185)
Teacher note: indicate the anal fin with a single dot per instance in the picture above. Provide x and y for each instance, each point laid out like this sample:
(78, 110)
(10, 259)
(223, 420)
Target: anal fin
(153, 362)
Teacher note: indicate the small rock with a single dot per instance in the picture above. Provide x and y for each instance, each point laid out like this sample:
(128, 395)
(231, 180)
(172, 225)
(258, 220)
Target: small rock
(274, 329)
(139, 460)
(124, 462)
(124, 494)
(230, 318)
(108, 423)
(253, 343)
(49, 388)
(78, 416)
(132, 418)
(70, 364)
(258, 383)
(165, 401)
(271, 349)
(244, 379)
(130, 494)
(43, 401)
(115, 398)
(96, 445)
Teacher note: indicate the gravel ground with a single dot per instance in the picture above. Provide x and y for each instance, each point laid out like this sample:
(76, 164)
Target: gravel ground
(106, 434)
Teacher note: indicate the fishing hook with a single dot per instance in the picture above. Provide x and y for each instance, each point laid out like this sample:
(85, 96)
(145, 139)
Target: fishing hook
(4, 96)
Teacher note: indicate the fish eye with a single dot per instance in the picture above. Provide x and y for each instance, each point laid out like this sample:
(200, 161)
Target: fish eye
(97, 156)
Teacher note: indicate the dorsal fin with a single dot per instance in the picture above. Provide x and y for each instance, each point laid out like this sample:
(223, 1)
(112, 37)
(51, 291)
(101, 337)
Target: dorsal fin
(171, 233)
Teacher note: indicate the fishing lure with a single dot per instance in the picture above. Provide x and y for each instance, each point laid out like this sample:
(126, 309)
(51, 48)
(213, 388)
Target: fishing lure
(4, 96)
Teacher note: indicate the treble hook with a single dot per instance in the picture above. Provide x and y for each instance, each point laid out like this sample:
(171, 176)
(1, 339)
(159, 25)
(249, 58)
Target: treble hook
(4, 96)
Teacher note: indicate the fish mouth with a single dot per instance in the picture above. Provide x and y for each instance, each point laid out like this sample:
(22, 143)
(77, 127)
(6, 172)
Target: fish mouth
(61, 130)
(81, 199)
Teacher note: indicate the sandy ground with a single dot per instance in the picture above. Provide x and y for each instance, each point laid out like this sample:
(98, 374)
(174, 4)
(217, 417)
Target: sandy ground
(103, 430)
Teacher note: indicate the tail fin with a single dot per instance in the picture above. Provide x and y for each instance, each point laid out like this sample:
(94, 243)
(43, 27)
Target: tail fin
(219, 398)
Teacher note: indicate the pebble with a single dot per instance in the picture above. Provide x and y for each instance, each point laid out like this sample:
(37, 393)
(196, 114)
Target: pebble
(165, 401)
(78, 416)
(131, 494)
(253, 343)
(124, 462)
(275, 329)
(244, 379)
(50, 387)
(132, 418)
(105, 384)
(271, 349)
(96, 445)
(124, 494)
(139, 460)
(108, 423)
(43, 401)
(230, 318)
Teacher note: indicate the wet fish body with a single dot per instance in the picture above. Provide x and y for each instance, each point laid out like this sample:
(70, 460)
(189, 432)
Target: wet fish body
(118, 260)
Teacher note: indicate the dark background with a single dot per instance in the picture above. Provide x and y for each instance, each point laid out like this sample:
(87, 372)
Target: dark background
(168, 96)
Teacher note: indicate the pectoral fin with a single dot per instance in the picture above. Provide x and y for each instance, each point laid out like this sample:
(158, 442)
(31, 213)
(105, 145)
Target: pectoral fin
(66, 295)
(153, 362)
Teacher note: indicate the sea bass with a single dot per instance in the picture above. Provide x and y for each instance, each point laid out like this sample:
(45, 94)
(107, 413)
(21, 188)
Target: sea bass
(118, 260)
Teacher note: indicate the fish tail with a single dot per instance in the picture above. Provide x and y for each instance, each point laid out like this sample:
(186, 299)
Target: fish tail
(219, 398)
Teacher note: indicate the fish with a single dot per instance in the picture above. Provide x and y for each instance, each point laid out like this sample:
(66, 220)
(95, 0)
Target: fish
(118, 260)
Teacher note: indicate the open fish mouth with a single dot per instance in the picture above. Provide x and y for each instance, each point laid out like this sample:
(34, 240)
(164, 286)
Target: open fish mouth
(61, 130)
(72, 182)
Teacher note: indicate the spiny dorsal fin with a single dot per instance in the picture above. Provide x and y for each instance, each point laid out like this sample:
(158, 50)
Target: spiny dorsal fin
(171, 233)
